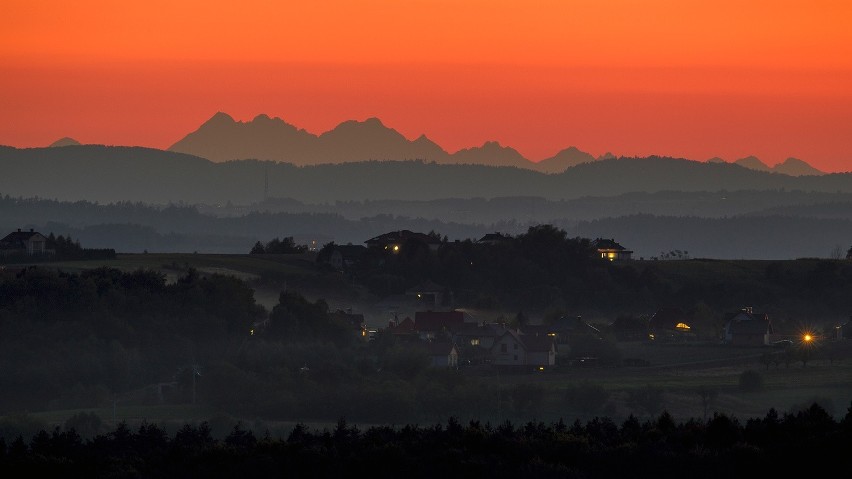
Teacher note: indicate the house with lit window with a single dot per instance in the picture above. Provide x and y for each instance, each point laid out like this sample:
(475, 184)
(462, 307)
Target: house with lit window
(608, 249)
(396, 242)
(429, 293)
(670, 324)
(514, 350)
(563, 331)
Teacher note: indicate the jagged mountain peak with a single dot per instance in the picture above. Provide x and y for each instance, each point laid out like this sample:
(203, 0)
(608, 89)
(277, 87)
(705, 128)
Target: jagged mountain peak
(219, 118)
(564, 159)
(752, 162)
(796, 167)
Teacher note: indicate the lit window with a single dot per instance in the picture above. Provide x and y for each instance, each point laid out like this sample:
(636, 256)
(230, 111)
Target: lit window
(474, 342)
(682, 326)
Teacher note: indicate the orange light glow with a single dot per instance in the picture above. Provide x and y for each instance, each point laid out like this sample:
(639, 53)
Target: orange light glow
(691, 79)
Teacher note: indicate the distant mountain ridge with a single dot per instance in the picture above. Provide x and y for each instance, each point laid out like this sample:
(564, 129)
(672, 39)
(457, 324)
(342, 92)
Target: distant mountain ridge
(221, 138)
(790, 166)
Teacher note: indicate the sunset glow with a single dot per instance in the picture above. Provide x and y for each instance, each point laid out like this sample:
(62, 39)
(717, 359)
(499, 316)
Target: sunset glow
(687, 79)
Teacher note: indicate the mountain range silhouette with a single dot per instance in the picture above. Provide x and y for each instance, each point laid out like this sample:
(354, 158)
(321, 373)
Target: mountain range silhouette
(221, 138)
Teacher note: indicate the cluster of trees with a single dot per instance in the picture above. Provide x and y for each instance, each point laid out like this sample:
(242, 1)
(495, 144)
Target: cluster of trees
(65, 248)
(807, 443)
(124, 331)
(278, 246)
(531, 271)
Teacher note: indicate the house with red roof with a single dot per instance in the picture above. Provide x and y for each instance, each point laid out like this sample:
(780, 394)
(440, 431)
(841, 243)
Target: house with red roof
(435, 324)
(396, 242)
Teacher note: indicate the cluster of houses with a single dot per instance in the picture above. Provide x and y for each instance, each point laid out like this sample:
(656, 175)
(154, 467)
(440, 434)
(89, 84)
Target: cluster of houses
(447, 336)
(453, 338)
(450, 335)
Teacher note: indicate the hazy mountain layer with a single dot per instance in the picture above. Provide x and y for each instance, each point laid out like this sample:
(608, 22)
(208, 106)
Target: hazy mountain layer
(109, 174)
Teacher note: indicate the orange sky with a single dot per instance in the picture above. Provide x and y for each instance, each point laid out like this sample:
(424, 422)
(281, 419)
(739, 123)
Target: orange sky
(635, 77)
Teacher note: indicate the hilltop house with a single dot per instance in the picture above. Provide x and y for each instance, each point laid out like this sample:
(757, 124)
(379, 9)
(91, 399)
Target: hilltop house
(344, 256)
(747, 328)
(24, 243)
(396, 241)
(610, 250)
(495, 239)
(431, 293)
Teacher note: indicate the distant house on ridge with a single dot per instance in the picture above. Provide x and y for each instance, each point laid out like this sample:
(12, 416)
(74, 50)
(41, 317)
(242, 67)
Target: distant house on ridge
(24, 242)
(610, 250)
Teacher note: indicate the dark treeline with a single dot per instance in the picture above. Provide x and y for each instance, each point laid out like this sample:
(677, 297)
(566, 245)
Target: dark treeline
(800, 225)
(278, 246)
(74, 340)
(808, 443)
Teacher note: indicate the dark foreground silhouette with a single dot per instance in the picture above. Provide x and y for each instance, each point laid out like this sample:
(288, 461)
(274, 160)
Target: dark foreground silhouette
(808, 442)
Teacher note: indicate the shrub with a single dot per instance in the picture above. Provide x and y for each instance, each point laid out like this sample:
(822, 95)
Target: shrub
(750, 381)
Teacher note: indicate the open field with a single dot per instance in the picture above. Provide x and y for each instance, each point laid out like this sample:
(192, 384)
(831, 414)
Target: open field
(681, 371)
(678, 372)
